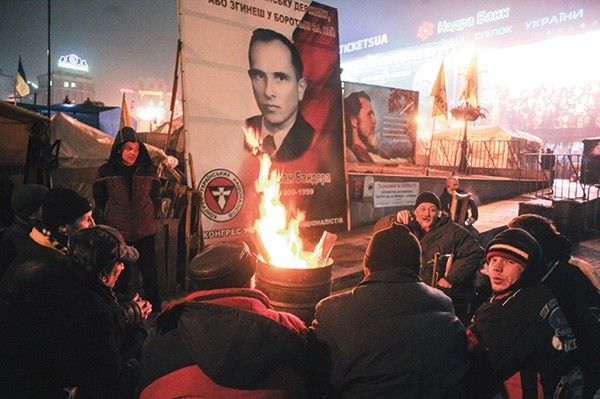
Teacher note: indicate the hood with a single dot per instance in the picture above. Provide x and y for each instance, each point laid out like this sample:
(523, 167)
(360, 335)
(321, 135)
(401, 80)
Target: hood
(124, 135)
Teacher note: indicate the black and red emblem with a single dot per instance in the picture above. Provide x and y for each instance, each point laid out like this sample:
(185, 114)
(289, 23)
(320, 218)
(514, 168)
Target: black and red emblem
(223, 195)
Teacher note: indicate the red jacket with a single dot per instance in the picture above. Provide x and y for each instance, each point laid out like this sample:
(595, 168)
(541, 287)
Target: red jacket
(225, 343)
(125, 197)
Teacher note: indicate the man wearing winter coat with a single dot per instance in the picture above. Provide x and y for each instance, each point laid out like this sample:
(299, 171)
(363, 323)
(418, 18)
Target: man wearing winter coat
(224, 340)
(456, 274)
(392, 336)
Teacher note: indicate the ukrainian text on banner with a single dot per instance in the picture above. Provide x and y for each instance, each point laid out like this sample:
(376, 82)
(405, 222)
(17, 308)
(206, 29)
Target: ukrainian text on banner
(381, 127)
(223, 97)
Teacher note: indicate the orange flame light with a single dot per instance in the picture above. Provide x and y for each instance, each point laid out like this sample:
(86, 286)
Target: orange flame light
(277, 230)
(279, 238)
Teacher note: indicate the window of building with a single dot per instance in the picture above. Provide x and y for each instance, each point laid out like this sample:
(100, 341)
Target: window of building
(66, 84)
(73, 84)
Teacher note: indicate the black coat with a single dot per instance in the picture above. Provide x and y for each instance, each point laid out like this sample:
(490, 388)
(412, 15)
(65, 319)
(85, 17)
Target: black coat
(392, 336)
(522, 331)
(13, 240)
(447, 237)
(580, 302)
(57, 331)
(296, 142)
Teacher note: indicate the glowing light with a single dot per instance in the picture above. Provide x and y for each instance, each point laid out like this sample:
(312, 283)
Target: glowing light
(149, 113)
(279, 238)
(73, 61)
(277, 230)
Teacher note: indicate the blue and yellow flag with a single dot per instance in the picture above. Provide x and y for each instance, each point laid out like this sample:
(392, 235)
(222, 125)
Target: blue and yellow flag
(22, 86)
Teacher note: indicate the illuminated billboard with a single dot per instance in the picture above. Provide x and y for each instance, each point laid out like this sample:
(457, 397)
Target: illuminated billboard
(537, 67)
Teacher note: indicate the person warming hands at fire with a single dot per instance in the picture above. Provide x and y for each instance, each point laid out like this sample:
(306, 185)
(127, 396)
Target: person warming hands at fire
(224, 340)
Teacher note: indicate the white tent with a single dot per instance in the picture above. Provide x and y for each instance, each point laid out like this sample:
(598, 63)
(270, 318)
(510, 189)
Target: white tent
(83, 149)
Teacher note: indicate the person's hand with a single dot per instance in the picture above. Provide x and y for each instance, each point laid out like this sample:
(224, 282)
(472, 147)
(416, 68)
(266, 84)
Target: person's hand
(444, 283)
(144, 305)
(404, 216)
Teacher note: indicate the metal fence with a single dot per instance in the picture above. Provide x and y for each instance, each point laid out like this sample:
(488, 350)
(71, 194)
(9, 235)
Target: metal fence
(568, 176)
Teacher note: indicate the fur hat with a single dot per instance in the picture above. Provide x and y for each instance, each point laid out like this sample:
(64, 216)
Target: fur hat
(519, 246)
(222, 265)
(63, 206)
(98, 248)
(391, 248)
(430, 198)
(27, 199)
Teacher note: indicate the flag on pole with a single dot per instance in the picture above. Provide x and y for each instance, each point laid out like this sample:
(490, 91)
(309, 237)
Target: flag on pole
(22, 86)
(125, 120)
(469, 87)
(440, 101)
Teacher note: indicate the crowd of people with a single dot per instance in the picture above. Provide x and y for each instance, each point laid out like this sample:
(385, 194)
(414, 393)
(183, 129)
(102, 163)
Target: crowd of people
(568, 107)
(436, 316)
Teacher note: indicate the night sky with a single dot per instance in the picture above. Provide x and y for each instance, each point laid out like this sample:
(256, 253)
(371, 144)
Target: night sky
(120, 39)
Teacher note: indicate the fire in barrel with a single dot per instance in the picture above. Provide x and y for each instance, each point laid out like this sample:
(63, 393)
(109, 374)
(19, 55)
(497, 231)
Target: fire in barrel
(294, 279)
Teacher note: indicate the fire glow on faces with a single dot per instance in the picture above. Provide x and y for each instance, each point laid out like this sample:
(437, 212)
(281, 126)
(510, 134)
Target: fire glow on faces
(111, 278)
(130, 152)
(503, 272)
(83, 222)
(426, 215)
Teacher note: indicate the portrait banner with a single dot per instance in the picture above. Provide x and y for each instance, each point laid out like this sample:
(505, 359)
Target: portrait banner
(244, 97)
(380, 124)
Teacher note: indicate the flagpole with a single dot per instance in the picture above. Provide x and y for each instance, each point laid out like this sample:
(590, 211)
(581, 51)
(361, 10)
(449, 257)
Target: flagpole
(430, 149)
(462, 167)
(49, 58)
(173, 93)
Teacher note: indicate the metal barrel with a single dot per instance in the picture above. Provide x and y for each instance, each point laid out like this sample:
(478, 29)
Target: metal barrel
(296, 291)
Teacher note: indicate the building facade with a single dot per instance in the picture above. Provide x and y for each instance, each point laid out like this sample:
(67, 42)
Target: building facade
(71, 81)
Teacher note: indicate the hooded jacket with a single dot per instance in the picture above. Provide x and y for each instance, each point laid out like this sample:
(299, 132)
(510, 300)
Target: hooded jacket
(225, 343)
(126, 196)
(520, 342)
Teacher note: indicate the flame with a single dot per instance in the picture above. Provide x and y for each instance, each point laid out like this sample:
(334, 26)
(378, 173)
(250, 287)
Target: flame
(278, 236)
(277, 231)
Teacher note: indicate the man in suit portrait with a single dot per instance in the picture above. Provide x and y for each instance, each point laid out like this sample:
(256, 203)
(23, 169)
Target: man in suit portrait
(276, 74)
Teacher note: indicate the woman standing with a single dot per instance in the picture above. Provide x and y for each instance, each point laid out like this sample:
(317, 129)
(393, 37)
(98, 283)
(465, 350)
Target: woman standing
(126, 194)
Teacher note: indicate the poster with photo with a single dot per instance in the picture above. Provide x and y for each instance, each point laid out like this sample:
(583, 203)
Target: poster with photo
(380, 125)
(253, 69)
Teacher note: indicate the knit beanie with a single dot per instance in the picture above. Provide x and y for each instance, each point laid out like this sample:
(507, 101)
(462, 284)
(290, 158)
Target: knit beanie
(228, 264)
(519, 246)
(391, 248)
(62, 206)
(27, 199)
(430, 198)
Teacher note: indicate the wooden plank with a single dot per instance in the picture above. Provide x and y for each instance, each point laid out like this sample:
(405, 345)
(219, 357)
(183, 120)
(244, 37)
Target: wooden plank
(159, 241)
